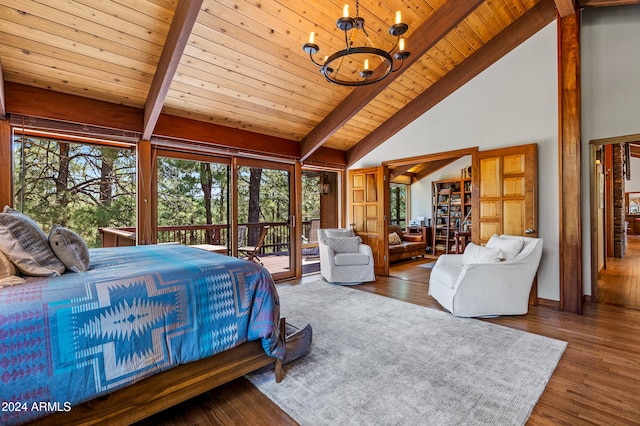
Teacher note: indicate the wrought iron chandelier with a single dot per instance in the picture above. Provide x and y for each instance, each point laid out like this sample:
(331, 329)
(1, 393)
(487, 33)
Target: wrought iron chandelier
(376, 63)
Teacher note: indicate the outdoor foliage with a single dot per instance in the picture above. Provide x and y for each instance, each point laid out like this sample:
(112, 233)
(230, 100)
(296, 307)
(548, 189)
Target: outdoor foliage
(84, 187)
(78, 186)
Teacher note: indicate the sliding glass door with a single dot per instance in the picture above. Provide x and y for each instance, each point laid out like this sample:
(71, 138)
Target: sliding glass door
(264, 212)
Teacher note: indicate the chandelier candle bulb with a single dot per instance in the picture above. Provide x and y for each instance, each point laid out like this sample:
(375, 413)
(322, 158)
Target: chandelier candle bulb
(345, 11)
(366, 64)
(312, 37)
(398, 17)
(401, 46)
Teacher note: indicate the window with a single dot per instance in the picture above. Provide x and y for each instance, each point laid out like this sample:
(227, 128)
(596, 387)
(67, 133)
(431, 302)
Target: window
(193, 200)
(398, 210)
(77, 185)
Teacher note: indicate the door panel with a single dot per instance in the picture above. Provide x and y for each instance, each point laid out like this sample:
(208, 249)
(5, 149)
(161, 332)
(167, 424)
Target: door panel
(368, 192)
(264, 198)
(506, 192)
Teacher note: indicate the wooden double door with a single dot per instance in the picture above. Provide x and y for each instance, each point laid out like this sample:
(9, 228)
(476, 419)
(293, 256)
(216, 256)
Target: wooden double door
(504, 199)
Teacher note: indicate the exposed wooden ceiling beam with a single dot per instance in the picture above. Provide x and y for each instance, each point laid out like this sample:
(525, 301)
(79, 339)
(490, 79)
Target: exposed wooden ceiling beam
(400, 170)
(3, 107)
(607, 3)
(565, 7)
(439, 24)
(520, 30)
(432, 167)
(181, 27)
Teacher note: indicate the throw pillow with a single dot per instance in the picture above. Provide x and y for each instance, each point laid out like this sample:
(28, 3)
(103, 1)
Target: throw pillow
(26, 246)
(394, 239)
(340, 232)
(474, 254)
(344, 244)
(510, 246)
(7, 269)
(70, 248)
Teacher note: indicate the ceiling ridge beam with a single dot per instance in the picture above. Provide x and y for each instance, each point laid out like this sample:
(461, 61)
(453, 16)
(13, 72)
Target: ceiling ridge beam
(511, 37)
(439, 24)
(179, 32)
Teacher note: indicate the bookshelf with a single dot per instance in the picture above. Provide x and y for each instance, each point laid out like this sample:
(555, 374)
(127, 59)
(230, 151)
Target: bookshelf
(451, 213)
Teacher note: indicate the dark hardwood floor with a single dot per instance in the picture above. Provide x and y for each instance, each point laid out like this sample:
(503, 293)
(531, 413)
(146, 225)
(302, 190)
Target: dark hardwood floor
(596, 382)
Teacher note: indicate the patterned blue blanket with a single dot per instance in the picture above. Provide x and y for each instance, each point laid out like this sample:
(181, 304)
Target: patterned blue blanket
(137, 311)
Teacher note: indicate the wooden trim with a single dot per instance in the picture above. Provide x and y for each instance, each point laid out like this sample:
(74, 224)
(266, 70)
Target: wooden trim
(172, 126)
(607, 3)
(3, 106)
(165, 389)
(616, 140)
(6, 165)
(146, 229)
(36, 102)
(296, 196)
(439, 24)
(570, 163)
(520, 30)
(594, 196)
(455, 154)
(179, 32)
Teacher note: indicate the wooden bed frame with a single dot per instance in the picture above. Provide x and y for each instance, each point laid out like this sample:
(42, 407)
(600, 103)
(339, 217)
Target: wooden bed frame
(168, 388)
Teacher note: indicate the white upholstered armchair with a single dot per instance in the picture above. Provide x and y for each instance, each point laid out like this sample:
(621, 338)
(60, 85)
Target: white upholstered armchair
(343, 257)
(487, 281)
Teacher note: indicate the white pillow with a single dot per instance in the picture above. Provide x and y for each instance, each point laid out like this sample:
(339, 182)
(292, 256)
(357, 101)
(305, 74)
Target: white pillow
(474, 254)
(26, 246)
(70, 248)
(344, 244)
(509, 246)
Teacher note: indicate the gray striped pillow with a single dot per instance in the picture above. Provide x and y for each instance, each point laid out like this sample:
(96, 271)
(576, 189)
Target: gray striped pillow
(26, 245)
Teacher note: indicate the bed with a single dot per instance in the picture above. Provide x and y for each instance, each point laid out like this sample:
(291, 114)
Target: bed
(144, 328)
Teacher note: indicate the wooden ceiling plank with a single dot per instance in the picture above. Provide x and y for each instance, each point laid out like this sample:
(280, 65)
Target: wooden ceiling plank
(520, 30)
(71, 82)
(181, 26)
(94, 44)
(440, 23)
(565, 7)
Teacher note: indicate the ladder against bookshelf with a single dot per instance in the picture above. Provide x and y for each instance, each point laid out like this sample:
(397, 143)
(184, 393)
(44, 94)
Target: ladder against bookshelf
(451, 213)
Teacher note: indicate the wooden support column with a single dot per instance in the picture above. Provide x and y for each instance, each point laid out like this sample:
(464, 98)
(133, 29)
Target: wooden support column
(146, 221)
(569, 157)
(6, 177)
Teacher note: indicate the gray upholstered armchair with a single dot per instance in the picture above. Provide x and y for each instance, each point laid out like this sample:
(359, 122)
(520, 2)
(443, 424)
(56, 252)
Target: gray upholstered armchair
(343, 257)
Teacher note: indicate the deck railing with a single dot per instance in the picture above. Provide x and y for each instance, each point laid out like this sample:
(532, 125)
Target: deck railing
(276, 240)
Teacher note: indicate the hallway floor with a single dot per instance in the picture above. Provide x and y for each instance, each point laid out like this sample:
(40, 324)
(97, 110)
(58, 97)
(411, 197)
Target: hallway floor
(619, 284)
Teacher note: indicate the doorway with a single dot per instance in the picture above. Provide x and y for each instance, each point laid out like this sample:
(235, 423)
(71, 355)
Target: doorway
(264, 210)
(615, 242)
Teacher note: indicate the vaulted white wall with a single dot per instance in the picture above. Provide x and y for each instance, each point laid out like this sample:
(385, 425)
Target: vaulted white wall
(513, 102)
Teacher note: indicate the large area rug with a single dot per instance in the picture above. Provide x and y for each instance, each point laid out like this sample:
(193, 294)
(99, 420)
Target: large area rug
(380, 361)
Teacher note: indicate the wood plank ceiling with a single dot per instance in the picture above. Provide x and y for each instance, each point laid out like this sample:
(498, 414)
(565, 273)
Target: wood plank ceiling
(240, 63)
